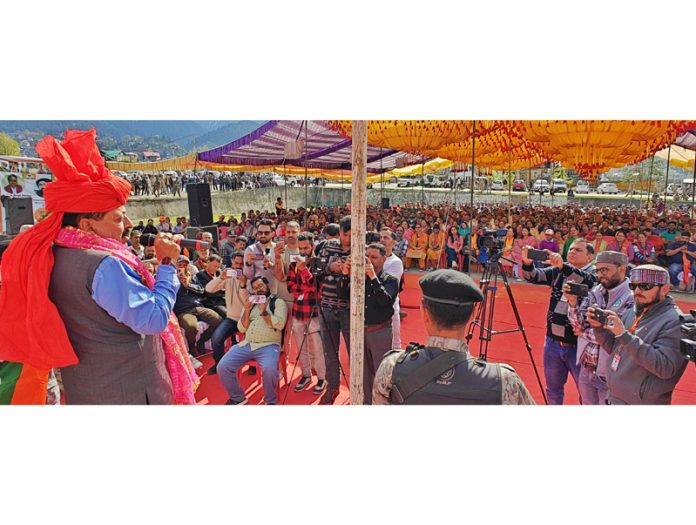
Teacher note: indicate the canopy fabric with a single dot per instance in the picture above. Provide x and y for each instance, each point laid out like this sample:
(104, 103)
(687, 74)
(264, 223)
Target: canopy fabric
(324, 148)
(687, 140)
(414, 170)
(422, 137)
(187, 162)
(594, 146)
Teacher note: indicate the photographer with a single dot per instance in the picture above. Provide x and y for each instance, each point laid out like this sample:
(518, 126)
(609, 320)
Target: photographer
(213, 300)
(611, 291)
(443, 372)
(645, 361)
(305, 317)
(381, 290)
(233, 283)
(263, 319)
(259, 259)
(561, 342)
(335, 304)
(189, 310)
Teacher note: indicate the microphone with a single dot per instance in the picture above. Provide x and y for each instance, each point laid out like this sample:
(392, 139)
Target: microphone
(148, 239)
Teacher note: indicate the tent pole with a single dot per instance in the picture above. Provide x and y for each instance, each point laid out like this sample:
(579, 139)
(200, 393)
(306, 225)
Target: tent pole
(358, 212)
(381, 169)
(473, 164)
(669, 152)
(306, 199)
(693, 190)
(285, 174)
(510, 187)
(652, 162)
(422, 180)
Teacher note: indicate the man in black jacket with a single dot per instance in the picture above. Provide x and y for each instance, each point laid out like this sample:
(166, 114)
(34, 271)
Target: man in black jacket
(381, 290)
(189, 310)
(561, 343)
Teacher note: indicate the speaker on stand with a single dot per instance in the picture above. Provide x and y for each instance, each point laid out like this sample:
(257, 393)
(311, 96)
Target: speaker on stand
(200, 204)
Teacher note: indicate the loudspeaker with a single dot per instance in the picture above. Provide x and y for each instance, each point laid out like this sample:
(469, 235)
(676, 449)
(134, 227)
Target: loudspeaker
(385, 203)
(200, 204)
(18, 211)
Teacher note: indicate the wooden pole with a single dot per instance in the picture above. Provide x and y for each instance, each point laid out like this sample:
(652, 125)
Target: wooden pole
(306, 199)
(358, 211)
(669, 153)
(652, 161)
(693, 190)
(473, 164)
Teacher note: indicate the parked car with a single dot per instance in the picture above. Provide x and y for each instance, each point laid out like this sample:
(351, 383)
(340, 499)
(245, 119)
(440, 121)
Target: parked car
(497, 185)
(404, 182)
(541, 186)
(559, 186)
(582, 187)
(519, 185)
(672, 188)
(607, 187)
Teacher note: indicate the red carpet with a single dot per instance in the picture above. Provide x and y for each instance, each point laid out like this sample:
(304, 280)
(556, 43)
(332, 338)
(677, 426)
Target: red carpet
(532, 302)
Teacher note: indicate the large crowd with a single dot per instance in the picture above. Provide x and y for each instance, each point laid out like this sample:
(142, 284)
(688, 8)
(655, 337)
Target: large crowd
(175, 182)
(270, 252)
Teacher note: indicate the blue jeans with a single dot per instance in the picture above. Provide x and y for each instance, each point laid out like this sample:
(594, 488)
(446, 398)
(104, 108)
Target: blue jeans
(674, 270)
(227, 328)
(451, 256)
(593, 391)
(333, 323)
(239, 354)
(558, 361)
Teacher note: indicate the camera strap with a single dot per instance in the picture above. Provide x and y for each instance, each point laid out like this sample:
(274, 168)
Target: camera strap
(406, 386)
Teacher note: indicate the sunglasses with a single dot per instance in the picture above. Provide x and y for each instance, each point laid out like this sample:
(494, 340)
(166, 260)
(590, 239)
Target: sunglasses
(643, 286)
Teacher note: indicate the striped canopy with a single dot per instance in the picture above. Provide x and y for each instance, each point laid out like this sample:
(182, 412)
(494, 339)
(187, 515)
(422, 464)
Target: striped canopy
(324, 149)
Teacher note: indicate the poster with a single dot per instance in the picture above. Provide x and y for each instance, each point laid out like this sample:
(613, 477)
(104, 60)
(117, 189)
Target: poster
(24, 177)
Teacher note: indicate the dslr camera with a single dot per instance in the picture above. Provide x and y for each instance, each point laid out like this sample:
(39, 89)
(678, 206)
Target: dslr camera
(319, 266)
(687, 346)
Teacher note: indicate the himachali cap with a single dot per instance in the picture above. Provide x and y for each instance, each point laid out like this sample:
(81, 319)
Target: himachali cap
(549, 232)
(649, 273)
(610, 257)
(450, 287)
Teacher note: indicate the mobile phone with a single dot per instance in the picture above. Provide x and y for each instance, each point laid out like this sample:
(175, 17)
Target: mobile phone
(601, 316)
(537, 255)
(280, 238)
(579, 290)
(231, 272)
(257, 299)
(296, 258)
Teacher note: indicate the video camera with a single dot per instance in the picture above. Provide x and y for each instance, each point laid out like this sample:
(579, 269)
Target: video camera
(492, 240)
(687, 346)
(319, 266)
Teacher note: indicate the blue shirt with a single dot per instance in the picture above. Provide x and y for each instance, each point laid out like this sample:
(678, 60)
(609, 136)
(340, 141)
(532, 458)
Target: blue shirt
(118, 289)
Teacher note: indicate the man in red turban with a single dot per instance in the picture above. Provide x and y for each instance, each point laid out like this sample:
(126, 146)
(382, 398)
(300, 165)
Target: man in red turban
(74, 297)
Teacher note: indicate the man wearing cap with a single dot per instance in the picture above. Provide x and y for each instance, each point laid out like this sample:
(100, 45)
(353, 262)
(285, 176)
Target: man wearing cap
(560, 348)
(103, 318)
(645, 363)
(611, 292)
(443, 372)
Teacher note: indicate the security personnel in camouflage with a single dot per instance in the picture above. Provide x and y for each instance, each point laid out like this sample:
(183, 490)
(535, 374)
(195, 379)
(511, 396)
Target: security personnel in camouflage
(443, 372)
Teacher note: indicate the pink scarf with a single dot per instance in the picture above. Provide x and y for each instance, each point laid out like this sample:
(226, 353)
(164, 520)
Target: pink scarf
(184, 378)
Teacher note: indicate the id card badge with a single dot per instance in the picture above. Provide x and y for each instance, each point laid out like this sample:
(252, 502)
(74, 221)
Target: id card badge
(615, 362)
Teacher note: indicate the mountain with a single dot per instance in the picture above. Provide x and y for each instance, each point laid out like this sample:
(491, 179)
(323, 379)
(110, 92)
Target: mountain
(170, 137)
(230, 131)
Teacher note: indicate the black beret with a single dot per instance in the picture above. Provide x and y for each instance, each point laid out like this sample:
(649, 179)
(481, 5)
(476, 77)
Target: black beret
(450, 287)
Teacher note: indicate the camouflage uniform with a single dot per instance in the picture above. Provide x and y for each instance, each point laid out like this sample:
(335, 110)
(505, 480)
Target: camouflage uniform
(514, 390)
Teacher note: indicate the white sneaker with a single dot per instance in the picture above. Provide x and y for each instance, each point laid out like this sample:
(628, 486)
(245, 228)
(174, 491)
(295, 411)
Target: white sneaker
(195, 362)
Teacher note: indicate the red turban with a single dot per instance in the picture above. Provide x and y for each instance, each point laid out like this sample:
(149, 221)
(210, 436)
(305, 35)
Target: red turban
(31, 330)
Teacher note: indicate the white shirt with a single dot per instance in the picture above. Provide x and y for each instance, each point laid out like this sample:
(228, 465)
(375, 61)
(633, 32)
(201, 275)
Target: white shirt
(394, 266)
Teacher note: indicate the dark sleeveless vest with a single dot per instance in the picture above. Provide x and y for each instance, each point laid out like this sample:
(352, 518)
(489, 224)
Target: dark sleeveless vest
(117, 366)
(472, 382)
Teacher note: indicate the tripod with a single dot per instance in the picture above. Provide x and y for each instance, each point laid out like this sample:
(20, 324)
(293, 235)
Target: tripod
(483, 318)
(303, 344)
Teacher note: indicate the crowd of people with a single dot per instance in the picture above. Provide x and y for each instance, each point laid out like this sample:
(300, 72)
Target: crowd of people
(271, 283)
(175, 182)
(271, 251)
